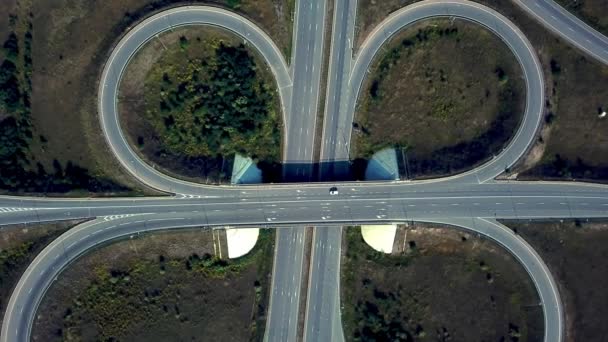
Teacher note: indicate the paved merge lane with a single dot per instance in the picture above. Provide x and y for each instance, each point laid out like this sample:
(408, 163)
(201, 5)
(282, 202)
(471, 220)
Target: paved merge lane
(531, 261)
(568, 26)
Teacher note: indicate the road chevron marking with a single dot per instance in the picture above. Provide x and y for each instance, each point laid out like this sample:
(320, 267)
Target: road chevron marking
(116, 217)
(14, 209)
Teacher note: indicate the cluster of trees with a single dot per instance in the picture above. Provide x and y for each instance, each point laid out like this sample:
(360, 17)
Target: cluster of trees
(221, 108)
(378, 327)
(10, 94)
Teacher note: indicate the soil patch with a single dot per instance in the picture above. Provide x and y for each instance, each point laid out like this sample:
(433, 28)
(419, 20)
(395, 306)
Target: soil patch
(159, 287)
(576, 254)
(446, 113)
(440, 284)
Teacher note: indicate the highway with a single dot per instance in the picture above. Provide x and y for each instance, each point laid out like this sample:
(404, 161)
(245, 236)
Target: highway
(306, 64)
(284, 309)
(337, 123)
(473, 200)
(357, 202)
(562, 201)
(323, 321)
(298, 154)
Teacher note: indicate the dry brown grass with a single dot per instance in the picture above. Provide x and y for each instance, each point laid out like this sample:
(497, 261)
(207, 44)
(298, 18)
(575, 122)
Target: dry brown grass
(72, 39)
(19, 245)
(574, 94)
(576, 255)
(371, 12)
(432, 98)
(167, 300)
(445, 284)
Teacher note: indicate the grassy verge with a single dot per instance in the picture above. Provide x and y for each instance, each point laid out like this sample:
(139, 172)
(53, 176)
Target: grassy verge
(160, 287)
(575, 252)
(446, 113)
(440, 284)
(19, 245)
(593, 12)
(206, 97)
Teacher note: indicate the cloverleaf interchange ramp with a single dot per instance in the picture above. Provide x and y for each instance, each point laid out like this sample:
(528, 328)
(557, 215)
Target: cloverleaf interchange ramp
(471, 201)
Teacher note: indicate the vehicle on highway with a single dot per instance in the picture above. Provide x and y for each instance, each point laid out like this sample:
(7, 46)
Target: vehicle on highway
(333, 190)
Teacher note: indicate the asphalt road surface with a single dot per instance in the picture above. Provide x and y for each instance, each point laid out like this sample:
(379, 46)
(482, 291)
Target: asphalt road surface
(284, 308)
(474, 210)
(323, 321)
(472, 201)
(335, 141)
(357, 202)
(306, 66)
(307, 56)
(568, 26)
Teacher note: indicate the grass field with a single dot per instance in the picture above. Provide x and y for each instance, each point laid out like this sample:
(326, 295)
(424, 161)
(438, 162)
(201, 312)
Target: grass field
(179, 107)
(576, 254)
(571, 143)
(159, 287)
(70, 42)
(426, 96)
(19, 245)
(439, 284)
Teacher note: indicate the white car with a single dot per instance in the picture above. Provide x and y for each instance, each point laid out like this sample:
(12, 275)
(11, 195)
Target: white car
(333, 190)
